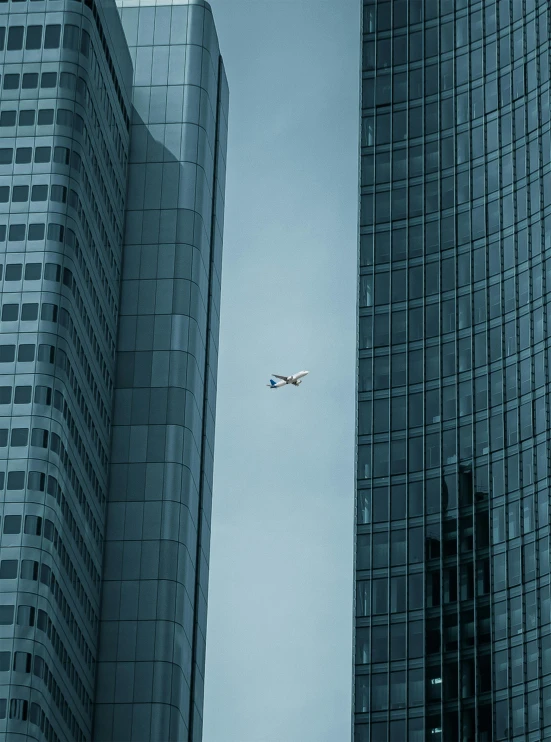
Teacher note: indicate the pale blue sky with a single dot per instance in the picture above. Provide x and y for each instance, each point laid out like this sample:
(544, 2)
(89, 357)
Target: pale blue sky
(280, 603)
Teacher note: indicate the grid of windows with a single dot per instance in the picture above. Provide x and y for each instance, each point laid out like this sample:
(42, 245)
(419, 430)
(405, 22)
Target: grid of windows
(161, 455)
(452, 598)
(20, 710)
(49, 36)
(26, 663)
(64, 144)
(62, 201)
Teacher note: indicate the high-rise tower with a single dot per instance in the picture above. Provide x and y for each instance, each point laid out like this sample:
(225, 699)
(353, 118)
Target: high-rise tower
(452, 560)
(108, 355)
(64, 139)
(153, 628)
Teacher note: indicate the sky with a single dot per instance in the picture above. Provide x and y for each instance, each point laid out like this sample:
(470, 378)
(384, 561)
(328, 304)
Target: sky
(279, 636)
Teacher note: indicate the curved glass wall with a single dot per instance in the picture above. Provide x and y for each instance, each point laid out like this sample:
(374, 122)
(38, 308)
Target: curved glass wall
(155, 581)
(452, 558)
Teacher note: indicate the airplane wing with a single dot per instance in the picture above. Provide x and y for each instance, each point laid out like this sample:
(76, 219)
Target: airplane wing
(280, 377)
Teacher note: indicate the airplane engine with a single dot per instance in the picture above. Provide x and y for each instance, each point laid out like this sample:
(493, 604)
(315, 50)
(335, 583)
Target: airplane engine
(297, 382)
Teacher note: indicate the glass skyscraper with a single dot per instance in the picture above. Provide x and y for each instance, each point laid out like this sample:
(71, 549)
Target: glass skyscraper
(153, 621)
(108, 355)
(452, 606)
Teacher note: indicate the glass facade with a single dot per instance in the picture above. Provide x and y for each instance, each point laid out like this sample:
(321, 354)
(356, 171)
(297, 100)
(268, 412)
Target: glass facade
(65, 76)
(153, 621)
(453, 607)
(111, 218)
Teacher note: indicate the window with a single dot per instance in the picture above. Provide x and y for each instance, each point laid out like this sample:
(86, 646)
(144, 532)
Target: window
(7, 353)
(398, 641)
(52, 36)
(39, 668)
(73, 199)
(59, 194)
(4, 194)
(46, 353)
(12, 524)
(56, 232)
(13, 272)
(42, 154)
(6, 615)
(39, 438)
(71, 37)
(29, 312)
(61, 155)
(16, 233)
(49, 312)
(39, 193)
(35, 232)
(380, 598)
(45, 574)
(16, 481)
(52, 272)
(398, 690)
(33, 525)
(10, 312)
(33, 271)
(34, 37)
(64, 117)
(29, 570)
(45, 116)
(75, 159)
(67, 80)
(6, 156)
(380, 542)
(22, 662)
(8, 571)
(43, 395)
(23, 155)
(11, 82)
(85, 43)
(363, 554)
(379, 643)
(26, 118)
(22, 393)
(5, 394)
(48, 80)
(49, 530)
(20, 193)
(82, 88)
(30, 81)
(25, 615)
(15, 38)
(362, 694)
(19, 436)
(7, 118)
(36, 481)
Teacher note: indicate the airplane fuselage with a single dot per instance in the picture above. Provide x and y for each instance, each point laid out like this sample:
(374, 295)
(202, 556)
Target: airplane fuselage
(295, 380)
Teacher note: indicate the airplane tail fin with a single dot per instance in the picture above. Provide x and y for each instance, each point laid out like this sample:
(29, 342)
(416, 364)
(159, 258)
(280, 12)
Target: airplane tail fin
(271, 384)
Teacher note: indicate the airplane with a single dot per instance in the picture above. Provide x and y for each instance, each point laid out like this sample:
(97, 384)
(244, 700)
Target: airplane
(295, 379)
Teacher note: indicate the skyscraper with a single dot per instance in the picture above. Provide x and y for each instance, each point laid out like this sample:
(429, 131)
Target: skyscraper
(108, 353)
(453, 614)
(153, 629)
(64, 129)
